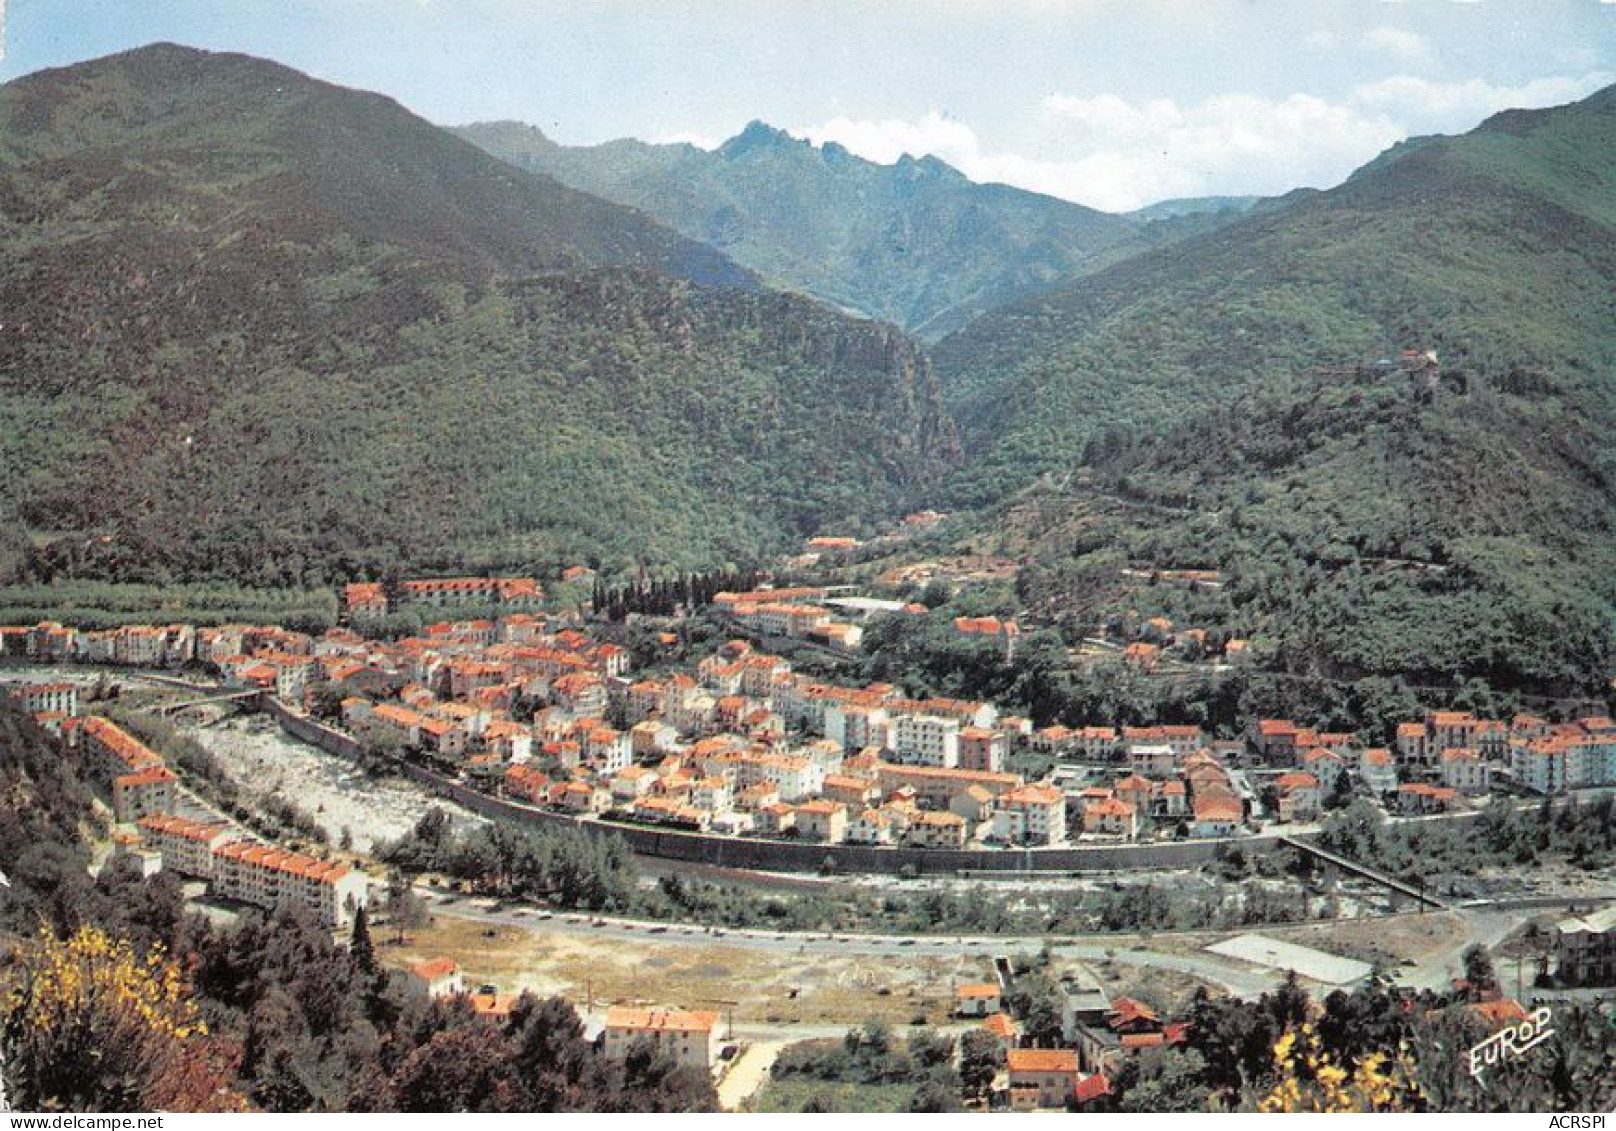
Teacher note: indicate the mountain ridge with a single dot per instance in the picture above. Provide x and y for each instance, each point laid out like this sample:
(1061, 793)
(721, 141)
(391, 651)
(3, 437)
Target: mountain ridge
(916, 242)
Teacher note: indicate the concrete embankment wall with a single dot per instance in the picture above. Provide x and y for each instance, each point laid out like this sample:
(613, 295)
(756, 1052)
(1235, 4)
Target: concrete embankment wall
(785, 855)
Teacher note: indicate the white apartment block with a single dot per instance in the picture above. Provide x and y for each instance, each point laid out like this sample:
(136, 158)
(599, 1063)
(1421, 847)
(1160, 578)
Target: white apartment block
(925, 740)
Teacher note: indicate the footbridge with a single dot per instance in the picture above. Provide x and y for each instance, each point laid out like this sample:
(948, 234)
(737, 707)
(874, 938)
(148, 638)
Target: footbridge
(1391, 883)
(223, 697)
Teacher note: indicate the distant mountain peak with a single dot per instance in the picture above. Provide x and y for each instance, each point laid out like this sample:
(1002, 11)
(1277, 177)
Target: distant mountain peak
(758, 135)
(928, 166)
(913, 241)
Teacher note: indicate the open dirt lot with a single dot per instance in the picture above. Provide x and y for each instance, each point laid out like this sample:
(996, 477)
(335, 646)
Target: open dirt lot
(1415, 937)
(793, 989)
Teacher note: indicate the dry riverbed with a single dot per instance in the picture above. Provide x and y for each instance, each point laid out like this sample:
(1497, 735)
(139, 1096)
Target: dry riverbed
(265, 762)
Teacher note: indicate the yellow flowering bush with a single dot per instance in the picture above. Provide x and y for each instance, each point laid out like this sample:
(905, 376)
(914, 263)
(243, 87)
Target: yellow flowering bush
(1310, 1079)
(89, 1025)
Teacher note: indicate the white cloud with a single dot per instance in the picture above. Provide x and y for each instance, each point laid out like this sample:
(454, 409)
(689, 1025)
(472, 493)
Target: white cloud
(1112, 153)
(887, 140)
(700, 141)
(1404, 46)
(1444, 107)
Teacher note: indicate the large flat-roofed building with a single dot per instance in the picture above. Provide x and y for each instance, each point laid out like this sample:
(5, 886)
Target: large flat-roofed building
(269, 877)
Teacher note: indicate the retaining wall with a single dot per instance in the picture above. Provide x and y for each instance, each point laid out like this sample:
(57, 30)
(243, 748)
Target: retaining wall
(786, 855)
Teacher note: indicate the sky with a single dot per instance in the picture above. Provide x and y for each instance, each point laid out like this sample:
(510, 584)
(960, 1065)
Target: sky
(1110, 103)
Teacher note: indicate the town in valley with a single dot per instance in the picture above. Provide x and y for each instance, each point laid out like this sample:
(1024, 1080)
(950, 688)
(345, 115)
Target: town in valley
(692, 734)
(807, 557)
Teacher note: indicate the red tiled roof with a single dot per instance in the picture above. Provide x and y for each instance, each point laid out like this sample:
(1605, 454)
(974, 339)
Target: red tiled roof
(1041, 1060)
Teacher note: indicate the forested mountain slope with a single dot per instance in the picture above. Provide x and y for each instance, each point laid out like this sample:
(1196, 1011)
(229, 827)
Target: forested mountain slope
(1496, 248)
(1248, 394)
(262, 328)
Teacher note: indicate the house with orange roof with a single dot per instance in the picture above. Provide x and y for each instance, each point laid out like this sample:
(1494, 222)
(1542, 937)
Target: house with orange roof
(775, 820)
(838, 634)
(1498, 1013)
(871, 826)
(632, 782)
(851, 790)
(1170, 798)
(580, 692)
(1143, 656)
(527, 784)
(1299, 796)
(1092, 1088)
(1418, 798)
(1110, 816)
(1274, 740)
(1031, 815)
(822, 820)
(977, 999)
(1138, 791)
(1041, 1078)
(364, 600)
(390, 721)
(672, 812)
(1464, 771)
(432, 977)
(441, 737)
(1450, 728)
(690, 1037)
(973, 803)
(1412, 745)
(931, 829)
(1377, 771)
(492, 1007)
(580, 797)
(1215, 813)
(1004, 1027)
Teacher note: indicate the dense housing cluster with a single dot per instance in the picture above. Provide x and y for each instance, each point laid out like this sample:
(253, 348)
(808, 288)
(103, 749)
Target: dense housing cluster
(543, 709)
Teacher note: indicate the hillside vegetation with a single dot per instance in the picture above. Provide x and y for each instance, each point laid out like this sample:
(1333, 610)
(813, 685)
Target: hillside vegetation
(264, 329)
(1233, 394)
(1496, 248)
